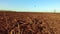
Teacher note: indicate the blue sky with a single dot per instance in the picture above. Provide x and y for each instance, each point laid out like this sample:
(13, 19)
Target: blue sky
(30, 5)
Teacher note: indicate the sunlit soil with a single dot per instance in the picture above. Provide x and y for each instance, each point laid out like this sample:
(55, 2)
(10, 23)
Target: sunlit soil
(29, 23)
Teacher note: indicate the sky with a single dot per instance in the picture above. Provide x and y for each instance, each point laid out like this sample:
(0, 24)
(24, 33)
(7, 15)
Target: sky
(30, 5)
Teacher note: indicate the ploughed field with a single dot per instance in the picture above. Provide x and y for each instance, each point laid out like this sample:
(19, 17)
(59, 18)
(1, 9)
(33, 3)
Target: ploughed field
(29, 23)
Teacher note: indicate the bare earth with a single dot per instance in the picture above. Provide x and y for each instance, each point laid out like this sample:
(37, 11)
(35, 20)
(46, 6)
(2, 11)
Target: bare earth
(29, 23)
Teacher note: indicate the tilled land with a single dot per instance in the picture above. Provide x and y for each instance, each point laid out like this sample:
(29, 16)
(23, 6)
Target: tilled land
(29, 23)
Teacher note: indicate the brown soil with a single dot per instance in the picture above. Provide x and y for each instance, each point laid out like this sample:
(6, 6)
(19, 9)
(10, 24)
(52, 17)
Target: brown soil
(29, 23)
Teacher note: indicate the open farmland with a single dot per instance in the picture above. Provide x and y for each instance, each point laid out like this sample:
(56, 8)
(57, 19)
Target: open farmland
(29, 23)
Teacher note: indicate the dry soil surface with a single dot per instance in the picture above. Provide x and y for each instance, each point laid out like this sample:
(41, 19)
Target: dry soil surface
(29, 23)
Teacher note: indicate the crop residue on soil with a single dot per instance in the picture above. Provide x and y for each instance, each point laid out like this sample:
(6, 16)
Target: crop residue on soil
(29, 23)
